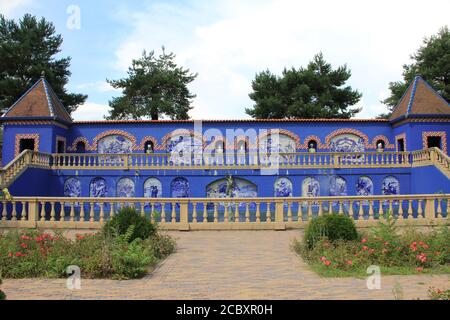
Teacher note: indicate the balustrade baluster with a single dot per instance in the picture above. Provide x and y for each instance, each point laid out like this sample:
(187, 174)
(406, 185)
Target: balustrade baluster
(400, 209)
(102, 211)
(194, 212)
(174, 213)
(371, 209)
(4, 211)
(91, 211)
(236, 212)
(247, 212)
(310, 213)
(72, 211)
(258, 212)
(268, 212)
(419, 209)
(216, 214)
(42, 211)
(24, 211)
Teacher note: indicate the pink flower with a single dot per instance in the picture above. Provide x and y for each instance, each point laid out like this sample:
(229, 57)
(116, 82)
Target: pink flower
(349, 262)
(364, 240)
(10, 254)
(327, 262)
(323, 259)
(365, 248)
(23, 245)
(419, 269)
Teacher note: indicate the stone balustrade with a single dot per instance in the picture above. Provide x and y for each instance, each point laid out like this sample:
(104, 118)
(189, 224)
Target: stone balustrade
(221, 213)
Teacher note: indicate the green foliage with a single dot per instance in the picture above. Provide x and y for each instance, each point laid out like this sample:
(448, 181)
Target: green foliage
(101, 255)
(331, 226)
(432, 62)
(155, 87)
(406, 252)
(438, 294)
(2, 294)
(316, 91)
(27, 48)
(130, 224)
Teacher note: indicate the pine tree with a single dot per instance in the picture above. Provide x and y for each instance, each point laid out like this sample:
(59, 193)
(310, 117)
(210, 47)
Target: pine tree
(28, 48)
(155, 87)
(317, 91)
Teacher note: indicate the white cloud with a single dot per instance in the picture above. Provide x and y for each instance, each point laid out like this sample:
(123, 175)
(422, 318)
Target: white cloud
(91, 111)
(228, 42)
(8, 7)
(100, 86)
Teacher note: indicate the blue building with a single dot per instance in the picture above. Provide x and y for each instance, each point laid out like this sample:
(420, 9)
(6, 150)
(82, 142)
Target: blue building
(224, 158)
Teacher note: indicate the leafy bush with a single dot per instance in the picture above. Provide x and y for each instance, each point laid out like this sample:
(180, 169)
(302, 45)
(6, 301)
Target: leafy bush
(331, 226)
(438, 294)
(101, 255)
(409, 252)
(2, 294)
(127, 217)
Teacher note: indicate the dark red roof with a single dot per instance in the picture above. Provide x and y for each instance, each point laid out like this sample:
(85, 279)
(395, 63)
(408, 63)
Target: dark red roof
(39, 101)
(420, 99)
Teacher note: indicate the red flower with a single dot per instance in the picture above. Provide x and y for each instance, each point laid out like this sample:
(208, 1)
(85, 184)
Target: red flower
(24, 245)
(10, 254)
(365, 248)
(20, 254)
(419, 269)
(364, 240)
(25, 237)
(349, 262)
(327, 262)
(323, 259)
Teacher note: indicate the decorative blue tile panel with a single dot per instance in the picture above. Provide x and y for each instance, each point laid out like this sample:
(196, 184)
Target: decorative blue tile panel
(237, 188)
(72, 188)
(183, 149)
(338, 186)
(179, 188)
(347, 143)
(125, 188)
(277, 144)
(98, 188)
(152, 188)
(364, 186)
(390, 186)
(283, 187)
(114, 144)
(310, 188)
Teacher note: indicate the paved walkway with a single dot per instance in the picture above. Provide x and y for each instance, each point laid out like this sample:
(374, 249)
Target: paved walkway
(229, 265)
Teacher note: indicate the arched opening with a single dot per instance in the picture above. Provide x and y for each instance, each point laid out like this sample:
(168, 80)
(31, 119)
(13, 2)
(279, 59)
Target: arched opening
(98, 188)
(282, 187)
(152, 188)
(125, 188)
(347, 142)
(114, 144)
(380, 145)
(179, 188)
(149, 147)
(72, 188)
(390, 186)
(81, 147)
(312, 146)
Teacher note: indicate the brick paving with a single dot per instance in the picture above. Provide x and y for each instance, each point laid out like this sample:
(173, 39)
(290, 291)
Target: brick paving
(229, 265)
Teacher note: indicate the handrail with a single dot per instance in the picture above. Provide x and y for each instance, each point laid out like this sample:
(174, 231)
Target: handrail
(221, 213)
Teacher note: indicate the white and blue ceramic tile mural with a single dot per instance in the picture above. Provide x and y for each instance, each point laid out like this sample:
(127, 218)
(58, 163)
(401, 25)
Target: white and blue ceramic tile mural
(240, 189)
(183, 149)
(152, 188)
(179, 188)
(114, 144)
(283, 187)
(277, 143)
(72, 188)
(390, 186)
(125, 188)
(338, 186)
(347, 143)
(98, 188)
(364, 186)
(310, 187)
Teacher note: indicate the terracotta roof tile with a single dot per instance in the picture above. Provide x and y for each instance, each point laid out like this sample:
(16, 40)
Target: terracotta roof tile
(420, 99)
(39, 101)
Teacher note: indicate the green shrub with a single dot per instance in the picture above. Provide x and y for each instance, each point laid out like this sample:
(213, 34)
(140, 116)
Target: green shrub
(2, 294)
(30, 254)
(123, 221)
(331, 226)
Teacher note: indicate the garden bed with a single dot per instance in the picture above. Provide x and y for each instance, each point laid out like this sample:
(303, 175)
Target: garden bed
(395, 253)
(128, 248)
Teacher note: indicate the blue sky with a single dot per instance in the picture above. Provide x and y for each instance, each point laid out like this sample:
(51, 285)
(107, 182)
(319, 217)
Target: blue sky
(227, 42)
